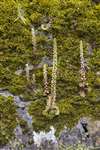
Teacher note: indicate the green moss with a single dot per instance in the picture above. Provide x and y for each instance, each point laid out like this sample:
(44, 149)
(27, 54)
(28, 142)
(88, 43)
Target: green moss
(18, 84)
(65, 107)
(71, 110)
(77, 20)
(71, 21)
(7, 119)
(97, 82)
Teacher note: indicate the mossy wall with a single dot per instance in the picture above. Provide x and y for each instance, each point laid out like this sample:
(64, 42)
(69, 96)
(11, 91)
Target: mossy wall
(71, 21)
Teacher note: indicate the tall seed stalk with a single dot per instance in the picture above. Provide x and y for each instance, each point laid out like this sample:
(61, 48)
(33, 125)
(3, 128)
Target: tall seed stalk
(83, 84)
(54, 71)
(46, 90)
(51, 105)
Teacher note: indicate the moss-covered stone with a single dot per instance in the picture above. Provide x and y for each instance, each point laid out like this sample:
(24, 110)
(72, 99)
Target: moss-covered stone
(7, 119)
(71, 21)
(77, 20)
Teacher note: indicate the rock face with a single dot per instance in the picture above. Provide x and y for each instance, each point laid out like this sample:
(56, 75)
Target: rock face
(46, 141)
(94, 131)
(86, 132)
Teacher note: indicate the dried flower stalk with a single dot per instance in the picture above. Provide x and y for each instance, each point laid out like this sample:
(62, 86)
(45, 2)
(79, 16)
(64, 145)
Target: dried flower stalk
(83, 84)
(46, 91)
(54, 71)
(51, 105)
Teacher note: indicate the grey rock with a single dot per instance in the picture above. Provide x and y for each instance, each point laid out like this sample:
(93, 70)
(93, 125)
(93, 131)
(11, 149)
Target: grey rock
(45, 60)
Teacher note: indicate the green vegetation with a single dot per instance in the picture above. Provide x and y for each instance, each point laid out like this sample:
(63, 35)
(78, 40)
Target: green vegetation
(7, 119)
(70, 21)
(71, 110)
